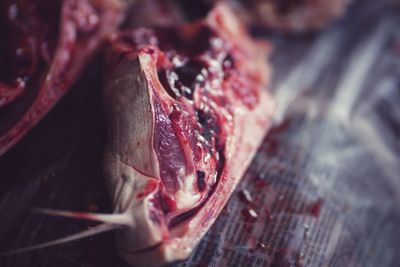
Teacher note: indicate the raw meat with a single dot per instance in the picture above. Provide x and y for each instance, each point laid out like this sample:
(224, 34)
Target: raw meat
(186, 109)
(288, 15)
(48, 45)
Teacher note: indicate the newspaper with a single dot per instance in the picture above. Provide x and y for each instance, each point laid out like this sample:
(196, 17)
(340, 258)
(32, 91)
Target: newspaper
(324, 188)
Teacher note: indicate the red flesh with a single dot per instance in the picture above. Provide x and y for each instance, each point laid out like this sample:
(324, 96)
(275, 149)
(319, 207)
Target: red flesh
(189, 61)
(47, 46)
(195, 93)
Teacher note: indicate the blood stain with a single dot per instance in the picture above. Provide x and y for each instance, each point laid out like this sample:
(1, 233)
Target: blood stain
(315, 208)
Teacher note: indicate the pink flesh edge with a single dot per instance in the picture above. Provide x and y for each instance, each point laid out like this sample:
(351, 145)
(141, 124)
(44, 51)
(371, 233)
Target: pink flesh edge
(241, 146)
(154, 243)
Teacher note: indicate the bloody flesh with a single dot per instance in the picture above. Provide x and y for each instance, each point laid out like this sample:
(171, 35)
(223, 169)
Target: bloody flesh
(196, 68)
(186, 110)
(46, 45)
(30, 39)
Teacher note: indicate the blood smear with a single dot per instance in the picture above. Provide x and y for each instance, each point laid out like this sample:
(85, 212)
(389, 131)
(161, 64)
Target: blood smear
(315, 208)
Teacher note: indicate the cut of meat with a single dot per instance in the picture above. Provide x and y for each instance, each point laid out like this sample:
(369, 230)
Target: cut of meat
(163, 12)
(186, 109)
(287, 15)
(294, 15)
(48, 44)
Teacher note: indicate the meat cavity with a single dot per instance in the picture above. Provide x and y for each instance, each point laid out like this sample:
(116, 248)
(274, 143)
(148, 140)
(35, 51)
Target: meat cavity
(199, 72)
